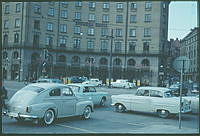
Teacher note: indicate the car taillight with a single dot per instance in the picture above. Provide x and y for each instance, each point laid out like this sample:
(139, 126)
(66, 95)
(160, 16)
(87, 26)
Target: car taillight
(28, 109)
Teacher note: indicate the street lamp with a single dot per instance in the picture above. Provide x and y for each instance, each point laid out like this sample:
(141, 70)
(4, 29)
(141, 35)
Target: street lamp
(91, 60)
(19, 72)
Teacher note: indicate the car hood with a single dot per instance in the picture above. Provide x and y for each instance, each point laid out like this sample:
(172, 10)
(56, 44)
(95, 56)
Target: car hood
(22, 98)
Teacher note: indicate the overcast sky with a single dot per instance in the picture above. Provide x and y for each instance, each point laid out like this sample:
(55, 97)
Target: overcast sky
(182, 18)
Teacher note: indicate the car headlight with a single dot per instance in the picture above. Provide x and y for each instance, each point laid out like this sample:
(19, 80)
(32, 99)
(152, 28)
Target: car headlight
(28, 109)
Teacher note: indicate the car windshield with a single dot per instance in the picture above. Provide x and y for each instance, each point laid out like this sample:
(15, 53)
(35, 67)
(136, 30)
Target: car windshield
(33, 88)
(75, 89)
(168, 94)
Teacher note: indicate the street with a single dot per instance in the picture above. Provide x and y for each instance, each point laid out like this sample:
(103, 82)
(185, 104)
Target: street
(103, 120)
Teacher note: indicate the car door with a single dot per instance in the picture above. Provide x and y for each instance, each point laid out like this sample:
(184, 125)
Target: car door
(54, 97)
(141, 102)
(86, 93)
(94, 96)
(69, 101)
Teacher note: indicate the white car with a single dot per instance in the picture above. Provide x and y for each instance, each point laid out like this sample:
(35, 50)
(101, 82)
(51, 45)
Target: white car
(194, 103)
(158, 100)
(122, 83)
(94, 81)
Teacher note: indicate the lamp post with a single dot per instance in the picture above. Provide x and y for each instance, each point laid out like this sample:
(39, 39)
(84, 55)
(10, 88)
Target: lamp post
(19, 72)
(91, 60)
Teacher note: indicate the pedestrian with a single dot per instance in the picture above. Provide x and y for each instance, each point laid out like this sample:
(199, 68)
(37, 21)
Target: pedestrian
(4, 95)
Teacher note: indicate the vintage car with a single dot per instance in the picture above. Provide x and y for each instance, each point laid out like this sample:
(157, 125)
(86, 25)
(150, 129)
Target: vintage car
(88, 91)
(93, 81)
(194, 103)
(44, 102)
(122, 83)
(150, 99)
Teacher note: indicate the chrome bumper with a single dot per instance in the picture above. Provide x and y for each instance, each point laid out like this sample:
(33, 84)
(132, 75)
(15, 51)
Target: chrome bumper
(19, 115)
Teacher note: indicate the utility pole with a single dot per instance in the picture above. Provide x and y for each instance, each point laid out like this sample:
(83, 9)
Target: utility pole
(110, 67)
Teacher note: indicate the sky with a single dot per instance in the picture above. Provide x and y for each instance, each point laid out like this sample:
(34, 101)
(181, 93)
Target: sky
(182, 18)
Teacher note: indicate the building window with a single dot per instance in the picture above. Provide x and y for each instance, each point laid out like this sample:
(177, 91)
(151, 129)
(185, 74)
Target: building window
(118, 32)
(119, 6)
(77, 30)
(77, 15)
(90, 44)
(146, 46)
(133, 19)
(91, 17)
(118, 46)
(147, 32)
(105, 18)
(119, 19)
(6, 23)
(104, 31)
(16, 38)
(5, 40)
(77, 43)
(78, 4)
(63, 42)
(5, 55)
(132, 32)
(104, 44)
(91, 4)
(18, 7)
(36, 40)
(148, 5)
(90, 31)
(147, 18)
(64, 4)
(51, 12)
(15, 55)
(37, 24)
(132, 46)
(133, 6)
(106, 5)
(63, 13)
(37, 9)
(17, 23)
(6, 9)
(50, 27)
(49, 41)
(63, 28)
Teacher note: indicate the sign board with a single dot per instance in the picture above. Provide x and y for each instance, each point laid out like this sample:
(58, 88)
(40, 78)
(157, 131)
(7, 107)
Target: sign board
(178, 63)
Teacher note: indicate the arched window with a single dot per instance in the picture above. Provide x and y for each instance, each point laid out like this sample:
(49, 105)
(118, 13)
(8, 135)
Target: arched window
(5, 40)
(145, 62)
(15, 55)
(131, 62)
(5, 55)
(103, 61)
(62, 58)
(117, 62)
(75, 59)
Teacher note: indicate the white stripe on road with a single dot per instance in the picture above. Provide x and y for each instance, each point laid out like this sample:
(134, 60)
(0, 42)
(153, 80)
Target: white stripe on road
(80, 129)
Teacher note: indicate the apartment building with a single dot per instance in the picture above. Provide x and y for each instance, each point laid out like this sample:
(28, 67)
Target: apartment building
(189, 49)
(62, 39)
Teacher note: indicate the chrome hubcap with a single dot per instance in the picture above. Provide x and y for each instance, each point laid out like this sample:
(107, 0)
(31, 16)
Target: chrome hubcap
(87, 112)
(49, 117)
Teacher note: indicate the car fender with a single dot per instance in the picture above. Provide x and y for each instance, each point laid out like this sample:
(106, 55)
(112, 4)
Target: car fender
(80, 106)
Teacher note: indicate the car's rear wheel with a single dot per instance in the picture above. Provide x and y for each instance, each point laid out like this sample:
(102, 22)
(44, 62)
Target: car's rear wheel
(87, 112)
(120, 108)
(103, 102)
(49, 117)
(163, 113)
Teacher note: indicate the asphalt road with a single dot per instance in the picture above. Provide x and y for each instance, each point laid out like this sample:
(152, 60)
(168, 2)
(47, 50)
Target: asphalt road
(103, 120)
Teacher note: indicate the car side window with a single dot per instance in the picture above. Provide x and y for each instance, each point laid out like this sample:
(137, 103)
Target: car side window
(86, 89)
(92, 89)
(154, 93)
(55, 92)
(67, 91)
(143, 93)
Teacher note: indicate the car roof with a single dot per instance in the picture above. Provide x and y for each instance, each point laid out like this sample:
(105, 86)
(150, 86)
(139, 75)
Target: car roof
(162, 89)
(81, 85)
(47, 85)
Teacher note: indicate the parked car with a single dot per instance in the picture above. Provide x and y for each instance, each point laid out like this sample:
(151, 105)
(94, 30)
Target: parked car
(195, 88)
(93, 81)
(122, 83)
(158, 100)
(88, 91)
(48, 80)
(194, 103)
(175, 88)
(76, 79)
(44, 102)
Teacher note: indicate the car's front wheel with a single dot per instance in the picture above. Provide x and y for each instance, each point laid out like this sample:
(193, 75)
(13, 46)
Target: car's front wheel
(87, 112)
(163, 113)
(120, 108)
(103, 102)
(49, 117)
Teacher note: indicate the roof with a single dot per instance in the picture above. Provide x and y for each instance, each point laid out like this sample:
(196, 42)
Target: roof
(81, 85)
(162, 89)
(47, 85)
